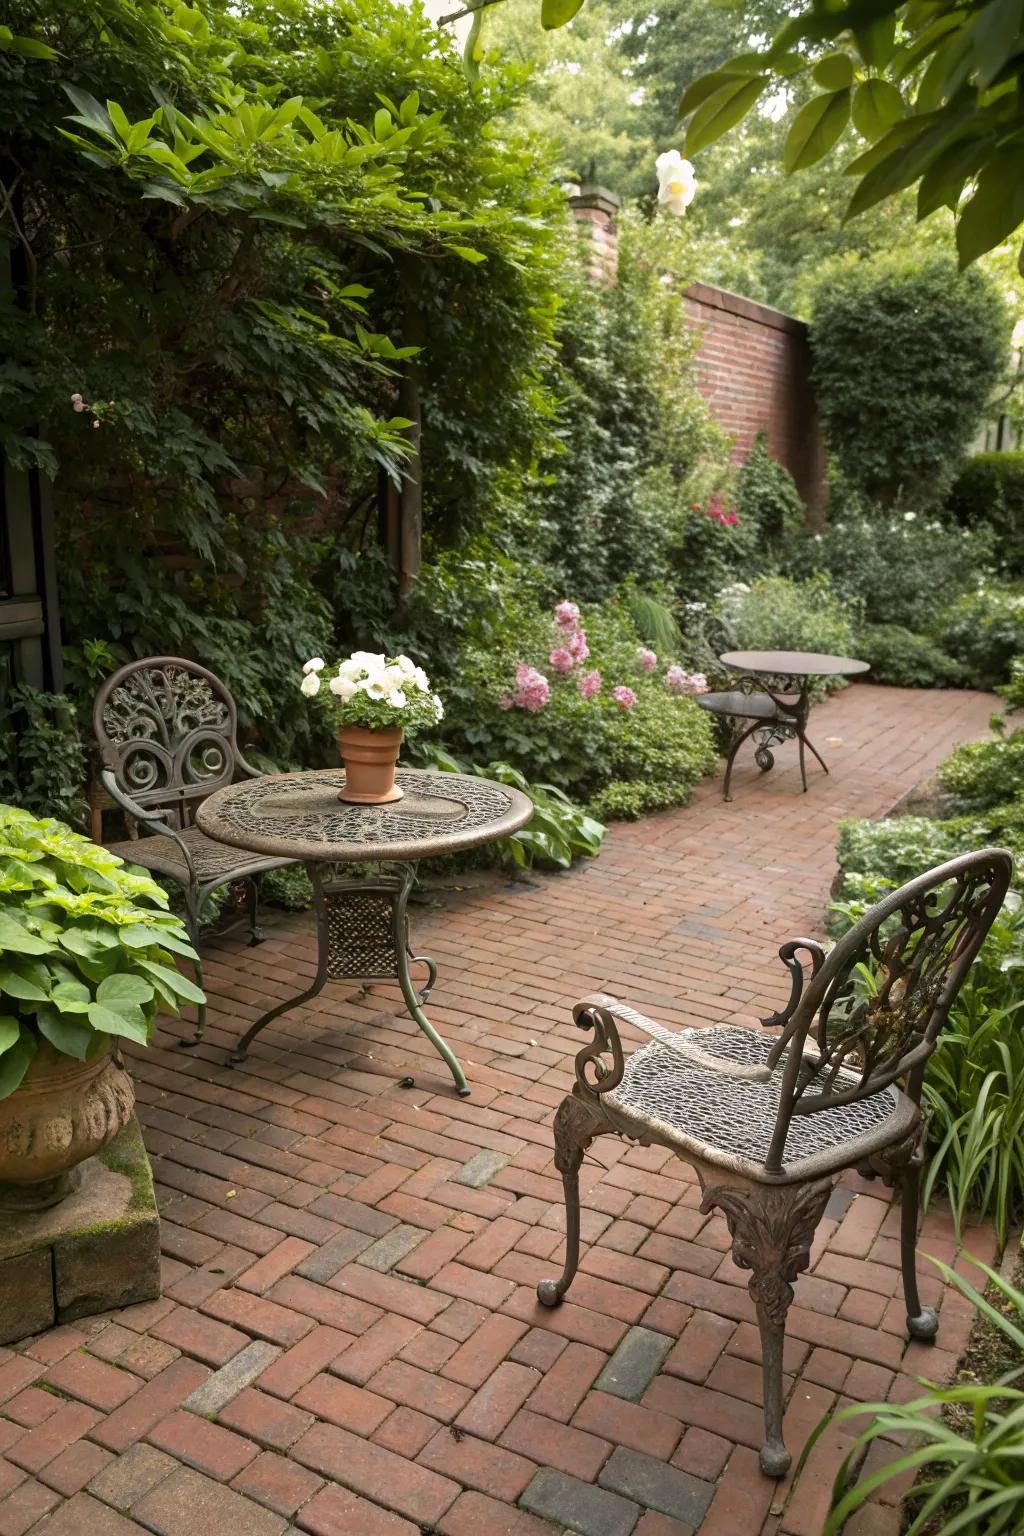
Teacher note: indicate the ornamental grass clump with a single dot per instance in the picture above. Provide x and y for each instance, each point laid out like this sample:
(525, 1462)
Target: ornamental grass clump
(87, 947)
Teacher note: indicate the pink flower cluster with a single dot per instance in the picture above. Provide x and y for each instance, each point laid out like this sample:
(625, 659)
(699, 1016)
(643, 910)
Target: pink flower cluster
(647, 660)
(717, 511)
(678, 680)
(590, 684)
(532, 689)
(625, 698)
(572, 647)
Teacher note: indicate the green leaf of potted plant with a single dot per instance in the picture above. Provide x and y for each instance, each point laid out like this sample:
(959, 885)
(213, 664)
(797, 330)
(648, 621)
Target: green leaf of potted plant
(375, 699)
(86, 958)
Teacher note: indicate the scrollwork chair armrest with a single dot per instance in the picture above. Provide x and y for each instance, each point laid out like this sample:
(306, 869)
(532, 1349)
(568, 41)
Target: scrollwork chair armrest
(151, 819)
(599, 1004)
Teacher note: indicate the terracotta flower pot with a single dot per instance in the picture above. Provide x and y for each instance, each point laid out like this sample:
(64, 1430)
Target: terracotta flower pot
(369, 758)
(64, 1111)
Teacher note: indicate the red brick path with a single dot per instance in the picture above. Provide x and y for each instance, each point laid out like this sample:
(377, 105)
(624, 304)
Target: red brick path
(349, 1342)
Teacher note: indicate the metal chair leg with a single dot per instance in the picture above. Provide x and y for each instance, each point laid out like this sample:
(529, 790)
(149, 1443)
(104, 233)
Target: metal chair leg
(803, 765)
(813, 749)
(192, 925)
(922, 1322)
(737, 742)
(575, 1129)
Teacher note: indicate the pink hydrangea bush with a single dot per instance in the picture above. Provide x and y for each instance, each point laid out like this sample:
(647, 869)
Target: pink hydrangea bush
(678, 680)
(624, 697)
(646, 660)
(590, 684)
(532, 689)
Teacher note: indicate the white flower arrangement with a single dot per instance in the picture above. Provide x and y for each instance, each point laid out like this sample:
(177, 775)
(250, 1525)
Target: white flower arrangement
(375, 691)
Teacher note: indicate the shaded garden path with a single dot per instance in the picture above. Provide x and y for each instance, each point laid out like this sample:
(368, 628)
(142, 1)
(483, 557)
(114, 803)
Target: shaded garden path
(348, 1340)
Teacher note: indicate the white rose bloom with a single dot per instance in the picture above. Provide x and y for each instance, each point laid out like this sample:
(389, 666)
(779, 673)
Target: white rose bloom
(344, 687)
(439, 707)
(421, 680)
(677, 181)
(310, 684)
(316, 665)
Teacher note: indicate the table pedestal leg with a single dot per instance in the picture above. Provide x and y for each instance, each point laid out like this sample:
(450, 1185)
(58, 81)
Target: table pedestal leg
(363, 935)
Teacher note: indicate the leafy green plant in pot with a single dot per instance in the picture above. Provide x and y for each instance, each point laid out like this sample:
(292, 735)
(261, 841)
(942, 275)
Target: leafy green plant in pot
(376, 700)
(86, 958)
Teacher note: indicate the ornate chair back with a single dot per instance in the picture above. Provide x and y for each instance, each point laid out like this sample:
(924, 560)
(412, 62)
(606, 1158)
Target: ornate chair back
(876, 1004)
(167, 731)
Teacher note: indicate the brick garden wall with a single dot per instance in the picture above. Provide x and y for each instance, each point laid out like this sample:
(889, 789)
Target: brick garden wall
(754, 371)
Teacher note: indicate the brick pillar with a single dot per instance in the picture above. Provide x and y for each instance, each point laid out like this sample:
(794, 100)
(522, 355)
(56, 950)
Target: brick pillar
(598, 207)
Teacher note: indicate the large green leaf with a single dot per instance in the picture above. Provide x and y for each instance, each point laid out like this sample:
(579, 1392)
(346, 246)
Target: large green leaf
(71, 997)
(995, 210)
(943, 182)
(10, 1029)
(995, 36)
(141, 936)
(16, 939)
(815, 129)
(877, 105)
(16, 1062)
(14, 984)
(876, 42)
(723, 110)
(173, 979)
(556, 13)
(71, 1036)
(834, 72)
(110, 1023)
(902, 167)
(124, 991)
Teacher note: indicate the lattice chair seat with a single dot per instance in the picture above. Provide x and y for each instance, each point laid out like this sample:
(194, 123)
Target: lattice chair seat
(211, 860)
(730, 1120)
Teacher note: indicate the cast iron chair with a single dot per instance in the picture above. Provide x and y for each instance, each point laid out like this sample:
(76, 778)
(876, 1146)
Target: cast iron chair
(777, 711)
(768, 1121)
(167, 735)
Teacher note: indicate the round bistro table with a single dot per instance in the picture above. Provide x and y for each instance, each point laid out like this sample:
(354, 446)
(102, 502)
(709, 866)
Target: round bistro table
(362, 925)
(773, 691)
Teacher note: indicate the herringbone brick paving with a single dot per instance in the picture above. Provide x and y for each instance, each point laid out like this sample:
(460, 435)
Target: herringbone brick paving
(348, 1341)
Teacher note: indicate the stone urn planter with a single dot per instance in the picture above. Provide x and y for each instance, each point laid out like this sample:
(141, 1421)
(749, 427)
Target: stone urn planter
(64, 1112)
(369, 759)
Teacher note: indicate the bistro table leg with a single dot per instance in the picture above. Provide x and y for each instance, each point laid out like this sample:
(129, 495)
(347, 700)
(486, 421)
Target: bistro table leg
(363, 935)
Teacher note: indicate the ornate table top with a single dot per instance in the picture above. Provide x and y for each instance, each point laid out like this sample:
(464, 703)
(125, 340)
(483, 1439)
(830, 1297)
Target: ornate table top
(794, 663)
(299, 816)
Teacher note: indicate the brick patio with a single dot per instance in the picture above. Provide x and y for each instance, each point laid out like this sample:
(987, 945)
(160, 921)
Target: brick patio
(349, 1341)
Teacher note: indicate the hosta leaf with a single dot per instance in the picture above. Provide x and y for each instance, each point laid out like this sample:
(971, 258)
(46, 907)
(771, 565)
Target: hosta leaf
(815, 129)
(834, 72)
(556, 13)
(16, 1062)
(141, 936)
(877, 105)
(731, 102)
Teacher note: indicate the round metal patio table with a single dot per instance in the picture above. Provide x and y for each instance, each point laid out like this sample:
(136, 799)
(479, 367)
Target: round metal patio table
(362, 925)
(773, 691)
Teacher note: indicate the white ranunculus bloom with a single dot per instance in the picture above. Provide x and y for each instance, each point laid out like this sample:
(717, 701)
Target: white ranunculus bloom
(310, 684)
(677, 181)
(421, 680)
(317, 664)
(344, 687)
